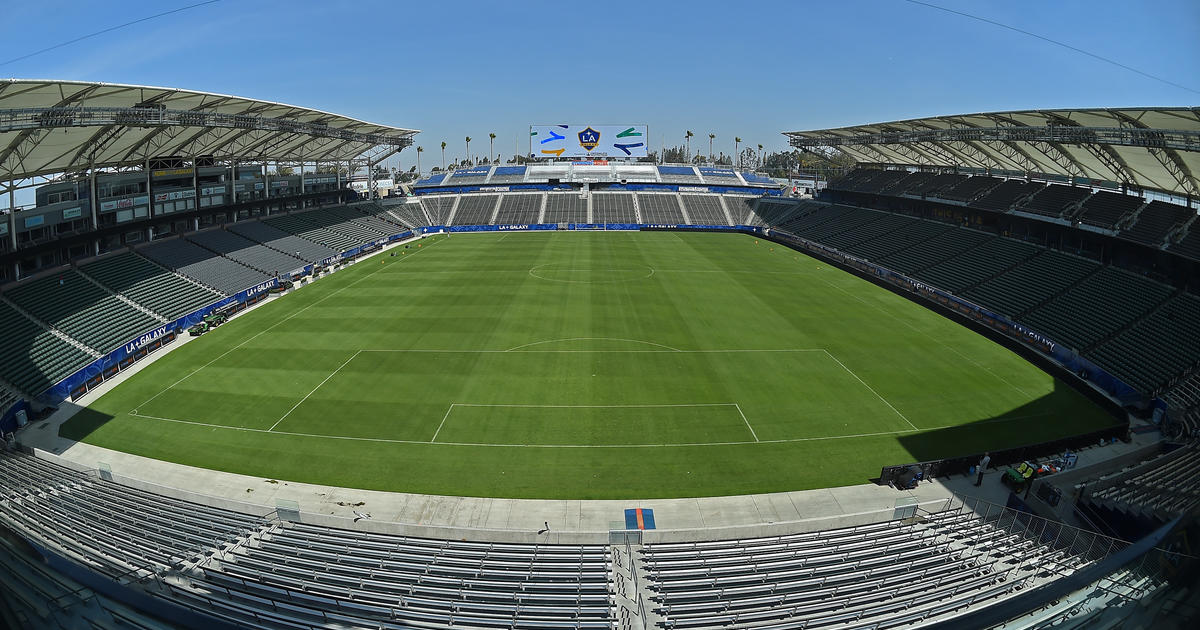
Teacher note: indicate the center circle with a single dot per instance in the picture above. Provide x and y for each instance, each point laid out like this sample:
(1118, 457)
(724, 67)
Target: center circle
(576, 274)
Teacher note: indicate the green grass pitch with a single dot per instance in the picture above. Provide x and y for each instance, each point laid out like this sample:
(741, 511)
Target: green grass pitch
(584, 365)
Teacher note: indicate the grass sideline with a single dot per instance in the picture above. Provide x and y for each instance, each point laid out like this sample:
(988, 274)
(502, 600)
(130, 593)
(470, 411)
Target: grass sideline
(584, 365)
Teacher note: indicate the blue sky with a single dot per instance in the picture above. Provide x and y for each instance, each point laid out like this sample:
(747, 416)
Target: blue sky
(750, 69)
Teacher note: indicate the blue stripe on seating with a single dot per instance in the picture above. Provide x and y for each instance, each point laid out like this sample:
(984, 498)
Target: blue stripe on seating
(631, 519)
(648, 518)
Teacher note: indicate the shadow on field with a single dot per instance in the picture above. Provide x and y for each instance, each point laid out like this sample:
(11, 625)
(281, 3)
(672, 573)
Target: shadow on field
(1051, 423)
(82, 424)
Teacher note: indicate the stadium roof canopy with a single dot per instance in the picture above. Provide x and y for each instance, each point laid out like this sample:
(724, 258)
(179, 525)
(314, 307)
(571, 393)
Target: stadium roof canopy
(1152, 148)
(49, 127)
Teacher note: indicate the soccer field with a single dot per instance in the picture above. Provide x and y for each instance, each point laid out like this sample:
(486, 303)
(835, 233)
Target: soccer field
(584, 365)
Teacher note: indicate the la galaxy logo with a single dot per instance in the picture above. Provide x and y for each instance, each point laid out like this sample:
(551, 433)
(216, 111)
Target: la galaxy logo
(589, 138)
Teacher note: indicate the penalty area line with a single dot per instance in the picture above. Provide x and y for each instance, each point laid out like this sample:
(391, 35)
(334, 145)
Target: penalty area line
(877, 395)
(314, 390)
(743, 415)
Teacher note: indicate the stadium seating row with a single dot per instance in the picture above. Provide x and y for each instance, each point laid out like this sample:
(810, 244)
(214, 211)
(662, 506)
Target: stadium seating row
(56, 323)
(1155, 223)
(1146, 333)
(259, 573)
(524, 208)
(1163, 487)
(892, 574)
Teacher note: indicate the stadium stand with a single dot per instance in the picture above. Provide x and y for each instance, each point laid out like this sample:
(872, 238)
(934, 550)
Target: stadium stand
(1155, 349)
(438, 208)
(969, 189)
(519, 209)
(976, 265)
(933, 186)
(433, 180)
(739, 208)
(1054, 200)
(296, 224)
(1107, 209)
(31, 357)
(911, 182)
(1032, 282)
(475, 210)
(377, 218)
(1186, 393)
(352, 221)
(877, 181)
(613, 208)
(878, 224)
(410, 213)
(1189, 245)
(1156, 221)
(565, 208)
(1003, 197)
(704, 210)
(336, 227)
(660, 208)
(508, 175)
(71, 303)
(148, 284)
(902, 237)
(719, 176)
(42, 598)
(246, 251)
(850, 219)
(936, 250)
(679, 174)
(199, 264)
(755, 178)
(260, 573)
(901, 573)
(279, 240)
(1162, 487)
(1097, 307)
(467, 176)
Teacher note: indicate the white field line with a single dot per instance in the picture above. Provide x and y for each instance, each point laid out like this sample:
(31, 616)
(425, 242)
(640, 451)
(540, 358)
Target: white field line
(864, 383)
(649, 343)
(439, 429)
(331, 375)
(743, 415)
(969, 359)
(646, 406)
(268, 329)
(672, 350)
(661, 445)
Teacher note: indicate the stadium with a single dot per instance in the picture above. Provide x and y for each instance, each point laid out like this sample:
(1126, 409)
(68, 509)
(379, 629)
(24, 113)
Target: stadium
(249, 380)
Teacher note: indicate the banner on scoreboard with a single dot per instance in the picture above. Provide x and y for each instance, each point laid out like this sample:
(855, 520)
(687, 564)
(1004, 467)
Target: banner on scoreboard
(589, 142)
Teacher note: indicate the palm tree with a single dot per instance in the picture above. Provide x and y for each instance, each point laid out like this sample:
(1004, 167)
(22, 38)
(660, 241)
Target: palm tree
(736, 142)
(420, 150)
(491, 145)
(443, 155)
(468, 160)
(760, 156)
(688, 137)
(711, 137)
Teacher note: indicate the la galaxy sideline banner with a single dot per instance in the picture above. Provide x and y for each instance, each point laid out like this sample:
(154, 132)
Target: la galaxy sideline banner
(587, 141)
